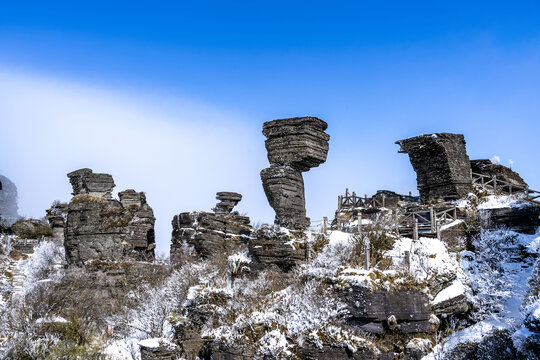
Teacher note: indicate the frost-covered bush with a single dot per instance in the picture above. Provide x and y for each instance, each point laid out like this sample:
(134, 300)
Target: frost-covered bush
(489, 271)
(45, 263)
(157, 305)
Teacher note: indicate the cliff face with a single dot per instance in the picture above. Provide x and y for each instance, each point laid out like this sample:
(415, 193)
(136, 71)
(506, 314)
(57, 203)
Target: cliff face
(294, 145)
(441, 163)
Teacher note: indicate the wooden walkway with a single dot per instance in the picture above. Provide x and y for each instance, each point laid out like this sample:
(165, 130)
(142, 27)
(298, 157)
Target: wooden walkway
(499, 186)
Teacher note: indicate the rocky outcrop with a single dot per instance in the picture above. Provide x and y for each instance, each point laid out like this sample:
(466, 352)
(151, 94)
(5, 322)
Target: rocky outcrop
(211, 234)
(84, 181)
(522, 218)
(158, 349)
(273, 247)
(487, 167)
(99, 227)
(56, 216)
(392, 200)
(406, 311)
(294, 145)
(8, 202)
(141, 226)
(441, 163)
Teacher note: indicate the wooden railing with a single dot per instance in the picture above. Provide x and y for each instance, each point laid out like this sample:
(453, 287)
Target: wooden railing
(498, 185)
(352, 201)
(425, 222)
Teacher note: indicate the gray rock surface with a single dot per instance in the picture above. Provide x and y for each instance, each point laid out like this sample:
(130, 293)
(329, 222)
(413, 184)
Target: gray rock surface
(269, 246)
(84, 181)
(523, 219)
(211, 234)
(441, 163)
(486, 167)
(98, 227)
(8, 202)
(294, 145)
(370, 310)
(167, 351)
(56, 216)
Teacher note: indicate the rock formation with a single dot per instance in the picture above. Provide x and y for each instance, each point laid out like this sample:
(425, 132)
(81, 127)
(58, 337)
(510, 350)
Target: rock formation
(56, 216)
(99, 227)
(8, 202)
(487, 167)
(209, 233)
(294, 145)
(270, 246)
(371, 310)
(84, 181)
(443, 169)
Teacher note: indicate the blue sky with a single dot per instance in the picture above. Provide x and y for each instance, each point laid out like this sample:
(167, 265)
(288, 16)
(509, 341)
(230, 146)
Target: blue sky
(181, 89)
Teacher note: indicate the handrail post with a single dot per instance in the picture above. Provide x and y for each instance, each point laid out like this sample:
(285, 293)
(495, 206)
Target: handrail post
(415, 229)
(495, 183)
(438, 231)
(432, 218)
(366, 253)
(325, 224)
(455, 213)
(383, 200)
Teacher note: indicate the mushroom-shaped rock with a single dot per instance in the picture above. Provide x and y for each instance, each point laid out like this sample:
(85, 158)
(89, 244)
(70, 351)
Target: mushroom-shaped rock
(294, 145)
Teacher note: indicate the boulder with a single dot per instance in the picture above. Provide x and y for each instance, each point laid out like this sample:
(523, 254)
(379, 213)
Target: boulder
(441, 163)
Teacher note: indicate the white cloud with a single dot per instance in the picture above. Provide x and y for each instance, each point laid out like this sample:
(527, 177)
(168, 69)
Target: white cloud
(180, 153)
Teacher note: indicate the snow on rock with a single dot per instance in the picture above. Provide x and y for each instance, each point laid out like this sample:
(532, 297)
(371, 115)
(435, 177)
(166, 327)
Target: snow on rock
(501, 201)
(157, 343)
(451, 292)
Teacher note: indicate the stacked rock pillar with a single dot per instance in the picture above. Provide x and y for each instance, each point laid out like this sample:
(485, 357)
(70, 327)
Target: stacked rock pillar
(294, 145)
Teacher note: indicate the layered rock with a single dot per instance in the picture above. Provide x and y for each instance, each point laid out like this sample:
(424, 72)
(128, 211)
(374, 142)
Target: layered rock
(8, 202)
(272, 247)
(294, 145)
(211, 233)
(487, 167)
(56, 216)
(158, 349)
(227, 202)
(99, 227)
(523, 218)
(84, 181)
(441, 163)
(378, 311)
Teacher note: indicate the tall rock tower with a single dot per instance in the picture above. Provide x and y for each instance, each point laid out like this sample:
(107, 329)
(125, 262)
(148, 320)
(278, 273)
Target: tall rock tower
(441, 163)
(294, 145)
